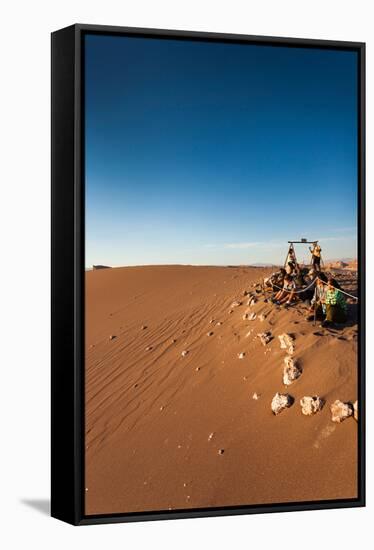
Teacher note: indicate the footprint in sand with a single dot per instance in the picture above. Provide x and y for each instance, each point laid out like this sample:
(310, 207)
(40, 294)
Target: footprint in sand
(324, 434)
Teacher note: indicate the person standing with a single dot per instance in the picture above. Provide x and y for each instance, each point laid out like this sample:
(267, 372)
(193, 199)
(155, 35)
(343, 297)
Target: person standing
(316, 256)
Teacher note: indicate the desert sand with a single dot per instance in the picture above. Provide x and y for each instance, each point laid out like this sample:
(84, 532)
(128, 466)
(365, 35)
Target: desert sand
(166, 430)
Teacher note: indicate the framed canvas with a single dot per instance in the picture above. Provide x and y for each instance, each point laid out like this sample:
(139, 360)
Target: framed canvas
(208, 274)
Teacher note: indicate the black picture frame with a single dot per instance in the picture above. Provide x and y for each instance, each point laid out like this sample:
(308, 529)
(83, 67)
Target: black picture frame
(67, 385)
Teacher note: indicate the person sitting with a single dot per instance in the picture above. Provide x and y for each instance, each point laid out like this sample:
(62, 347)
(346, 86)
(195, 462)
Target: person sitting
(287, 294)
(336, 305)
(317, 303)
(275, 281)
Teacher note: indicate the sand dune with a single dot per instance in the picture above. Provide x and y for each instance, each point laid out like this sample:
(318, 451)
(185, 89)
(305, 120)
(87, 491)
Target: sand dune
(166, 431)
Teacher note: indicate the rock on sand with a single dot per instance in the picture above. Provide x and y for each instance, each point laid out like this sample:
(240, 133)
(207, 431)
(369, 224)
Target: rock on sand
(340, 411)
(280, 402)
(311, 405)
(291, 371)
(286, 342)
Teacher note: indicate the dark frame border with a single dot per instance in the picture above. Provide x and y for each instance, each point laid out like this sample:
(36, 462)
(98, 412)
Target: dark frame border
(68, 234)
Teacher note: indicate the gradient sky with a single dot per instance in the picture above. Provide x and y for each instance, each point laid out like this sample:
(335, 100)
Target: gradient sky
(210, 153)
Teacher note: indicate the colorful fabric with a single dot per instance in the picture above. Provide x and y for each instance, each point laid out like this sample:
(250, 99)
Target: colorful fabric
(335, 298)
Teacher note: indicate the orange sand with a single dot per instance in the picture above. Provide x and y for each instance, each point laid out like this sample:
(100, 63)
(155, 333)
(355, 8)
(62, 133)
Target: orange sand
(149, 413)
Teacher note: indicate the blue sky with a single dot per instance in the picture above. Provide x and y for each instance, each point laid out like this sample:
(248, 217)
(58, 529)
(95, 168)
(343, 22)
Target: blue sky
(210, 153)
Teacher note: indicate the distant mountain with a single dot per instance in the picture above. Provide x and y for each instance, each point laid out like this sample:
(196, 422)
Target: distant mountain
(262, 265)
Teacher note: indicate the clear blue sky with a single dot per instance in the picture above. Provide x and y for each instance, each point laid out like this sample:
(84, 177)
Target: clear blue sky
(202, 153)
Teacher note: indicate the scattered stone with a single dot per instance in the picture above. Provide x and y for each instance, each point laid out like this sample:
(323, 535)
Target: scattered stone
(246, 292)
(265, 337)
(212, 321)
(340, 411)
(248, 334)
(311, 405)
(262, 317)
(255, 396)
(286, 342)
(210, 436)
(236, 303)
(252, 317)
(184, 353)
(219, 324)
(162, 408)
(148, 348)
(210, 333)
(241, 355)
(221, 451)
(280, 402)
(144, 327)
(355, 410)
(197, 369)
(231, 311)
(112, 337)
(252, 300)
(291, 371)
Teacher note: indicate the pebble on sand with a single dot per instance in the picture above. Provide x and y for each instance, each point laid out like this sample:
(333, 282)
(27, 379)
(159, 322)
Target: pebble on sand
(265, 337)
(355, 410)
(280, 402)
(252, 317)
(291, 371)
(241, 355)
(340, 411)
(286, 342)
(148, 348)
(210, 333)
(210, 436)
(144, 327)
(112, 337)
(256, 396)
(262, 317)
(184, 353)
(236, 303)
(221, 451)
(311, 404)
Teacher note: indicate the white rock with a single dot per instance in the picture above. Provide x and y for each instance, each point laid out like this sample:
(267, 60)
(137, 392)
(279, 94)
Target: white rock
(210, 333)
(265, 337)
(252, 300)
(291, 371)
(210, 437)
(252, 317)
(241, 355)
(286, 342)
(262, 317)
(184, 353)
(355, 410)
(236, 303)
(255, 396)
(311, 405)
(280, 402)
(340, 411)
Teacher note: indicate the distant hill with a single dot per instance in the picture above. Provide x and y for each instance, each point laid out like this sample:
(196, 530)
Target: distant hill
(94, 267)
